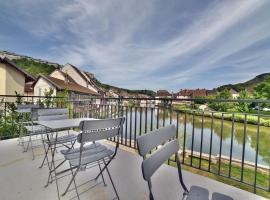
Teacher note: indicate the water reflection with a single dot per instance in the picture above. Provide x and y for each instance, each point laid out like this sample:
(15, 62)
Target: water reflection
(238, 134)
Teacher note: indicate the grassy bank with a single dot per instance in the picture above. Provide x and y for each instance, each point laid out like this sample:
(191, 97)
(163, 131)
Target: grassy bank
(238, 117)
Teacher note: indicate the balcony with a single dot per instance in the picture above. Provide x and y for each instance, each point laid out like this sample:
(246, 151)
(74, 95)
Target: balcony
(22, 179)
(231, 147)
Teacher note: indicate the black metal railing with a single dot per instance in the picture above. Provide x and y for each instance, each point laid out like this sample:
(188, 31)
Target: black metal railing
(232, 144)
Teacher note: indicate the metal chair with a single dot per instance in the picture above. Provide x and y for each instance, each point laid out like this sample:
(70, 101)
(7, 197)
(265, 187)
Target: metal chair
(165, 139)
(53, 140)
(92, 154)
(26, 118)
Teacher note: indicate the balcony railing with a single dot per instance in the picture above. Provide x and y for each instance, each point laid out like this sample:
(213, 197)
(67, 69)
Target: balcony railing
(231, 144)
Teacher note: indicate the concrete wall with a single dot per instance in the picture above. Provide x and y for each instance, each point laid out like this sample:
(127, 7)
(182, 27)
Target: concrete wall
(41, 86)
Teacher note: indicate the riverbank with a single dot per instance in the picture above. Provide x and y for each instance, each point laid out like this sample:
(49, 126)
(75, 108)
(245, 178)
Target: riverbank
(249, 118)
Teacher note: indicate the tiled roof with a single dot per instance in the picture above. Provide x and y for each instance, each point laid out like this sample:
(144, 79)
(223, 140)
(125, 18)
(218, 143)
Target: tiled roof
(193, 93)
(163, 93)
(61, 85)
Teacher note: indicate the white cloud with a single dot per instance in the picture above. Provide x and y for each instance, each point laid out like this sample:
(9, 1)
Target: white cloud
(103, 34)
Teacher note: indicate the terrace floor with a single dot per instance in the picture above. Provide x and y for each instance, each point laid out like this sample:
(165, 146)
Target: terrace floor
(20, 178)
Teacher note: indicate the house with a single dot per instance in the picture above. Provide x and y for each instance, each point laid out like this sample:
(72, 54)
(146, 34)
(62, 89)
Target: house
(184, 94)
(189, 94)
(163, 94)
(75, 91)
(79, 77)
(12, 78)
(234, 93)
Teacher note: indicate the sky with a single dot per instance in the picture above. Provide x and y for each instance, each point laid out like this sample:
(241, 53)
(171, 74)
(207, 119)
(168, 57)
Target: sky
(144, 44)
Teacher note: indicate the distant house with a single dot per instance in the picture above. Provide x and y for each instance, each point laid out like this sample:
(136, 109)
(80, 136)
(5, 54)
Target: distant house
(163, 94)
(234, 93)
(187, 93)
(12, 78)
(75, 91)
(81, 78)
(184, 94)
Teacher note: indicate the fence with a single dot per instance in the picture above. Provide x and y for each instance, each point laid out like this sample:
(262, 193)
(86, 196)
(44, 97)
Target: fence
(231, 144)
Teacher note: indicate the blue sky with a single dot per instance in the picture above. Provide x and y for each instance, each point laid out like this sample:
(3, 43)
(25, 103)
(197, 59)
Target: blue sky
(138, 44)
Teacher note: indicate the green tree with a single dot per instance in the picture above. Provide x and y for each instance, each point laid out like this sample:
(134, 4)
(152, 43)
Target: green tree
(61, 99)
(48, 101)
(222, 106)
(263, 90)
(243, 106)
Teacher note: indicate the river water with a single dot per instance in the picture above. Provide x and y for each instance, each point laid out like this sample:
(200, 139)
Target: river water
(238, 134)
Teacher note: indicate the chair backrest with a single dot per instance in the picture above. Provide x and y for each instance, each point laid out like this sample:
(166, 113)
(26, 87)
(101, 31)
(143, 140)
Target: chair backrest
(24, 106)
(21, 108)
(52, 114)
(167, 143)
(94, 130)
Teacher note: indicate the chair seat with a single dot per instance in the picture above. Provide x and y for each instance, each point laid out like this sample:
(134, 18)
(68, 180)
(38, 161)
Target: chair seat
(92, 158)
(63, 139)
(86, 153)
(76, 150)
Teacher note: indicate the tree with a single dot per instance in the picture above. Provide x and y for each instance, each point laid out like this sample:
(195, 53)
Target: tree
(263, 89)
(243, 106)
(48, 98)
(61, 99)
(222, 106)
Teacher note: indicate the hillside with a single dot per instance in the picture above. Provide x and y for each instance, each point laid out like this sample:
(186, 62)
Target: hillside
(37, 66)
(118, 90)
(34, 67)
(248, 85)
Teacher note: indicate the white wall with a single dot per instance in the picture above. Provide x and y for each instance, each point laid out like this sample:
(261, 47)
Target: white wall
(74, 75)
(41, 86)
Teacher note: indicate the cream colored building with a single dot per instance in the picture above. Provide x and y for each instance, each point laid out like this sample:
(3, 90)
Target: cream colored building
(80, 77)
(12, 78)
(64, 82)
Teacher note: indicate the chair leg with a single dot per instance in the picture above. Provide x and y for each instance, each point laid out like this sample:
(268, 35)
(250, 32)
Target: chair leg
(180, 174)
(75, 185)
(45, 156)
(102, 173)
(106, 164)
(27, 147)
(73, 177)
(151, 197)
(112, 183)
(51, 165)
(33, 153)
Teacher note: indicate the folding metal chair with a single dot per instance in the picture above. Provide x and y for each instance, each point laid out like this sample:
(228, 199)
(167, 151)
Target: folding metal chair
(26, 118)
(93, 154)
(165, 139)
(52, 140)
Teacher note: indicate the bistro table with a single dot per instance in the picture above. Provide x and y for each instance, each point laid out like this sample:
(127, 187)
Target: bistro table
(62, 124)
(53, 127)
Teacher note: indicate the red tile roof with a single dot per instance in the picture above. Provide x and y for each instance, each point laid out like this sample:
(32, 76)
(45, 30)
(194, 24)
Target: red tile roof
(70, 86)
(163, 93)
